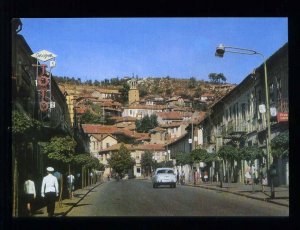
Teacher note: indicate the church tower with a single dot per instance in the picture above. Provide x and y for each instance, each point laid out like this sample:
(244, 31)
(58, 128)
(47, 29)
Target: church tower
(133, 94)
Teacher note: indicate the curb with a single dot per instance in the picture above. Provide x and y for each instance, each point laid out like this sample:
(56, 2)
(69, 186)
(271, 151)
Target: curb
(239, 194)
(71, 207)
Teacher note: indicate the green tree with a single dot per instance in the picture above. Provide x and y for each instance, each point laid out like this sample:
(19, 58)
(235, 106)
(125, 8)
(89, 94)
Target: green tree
(184, 158)
(146, 162)
(121, 161)
(61, 149)
(146, 123)
(217, 78)
(251, 153)
(201, 155)
(124, 93)
(228, 154)
(192, 83)
(90, 118)
(22, 126)
(87, 164)
(280, 145)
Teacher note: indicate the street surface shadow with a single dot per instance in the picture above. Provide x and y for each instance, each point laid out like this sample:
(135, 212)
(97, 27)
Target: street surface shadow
(69, 204)
(164, 188)
(279, 198)
(79, 205)
(79, 194)
(249, 191)
(38, 212)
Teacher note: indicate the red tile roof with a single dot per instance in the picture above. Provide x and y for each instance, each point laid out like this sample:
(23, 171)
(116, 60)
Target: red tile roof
(113, 130)
(149, 107)
(150, 147)
(169, 115)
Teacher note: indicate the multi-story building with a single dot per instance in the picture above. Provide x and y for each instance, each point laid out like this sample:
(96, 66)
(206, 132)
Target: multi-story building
(27, 156)
(237, 114)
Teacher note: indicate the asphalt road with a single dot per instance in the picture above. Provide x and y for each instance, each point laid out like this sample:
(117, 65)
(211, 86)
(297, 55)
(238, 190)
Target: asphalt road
(139, 198)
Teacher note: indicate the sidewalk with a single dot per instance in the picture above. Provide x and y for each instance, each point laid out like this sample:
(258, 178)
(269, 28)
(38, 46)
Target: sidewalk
(66, 204)
(281, 193)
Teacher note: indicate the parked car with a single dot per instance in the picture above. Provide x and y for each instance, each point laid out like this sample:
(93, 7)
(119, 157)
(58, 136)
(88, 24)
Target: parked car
(164, 176)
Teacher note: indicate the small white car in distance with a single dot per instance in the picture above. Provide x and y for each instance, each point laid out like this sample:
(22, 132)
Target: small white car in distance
(164, 176)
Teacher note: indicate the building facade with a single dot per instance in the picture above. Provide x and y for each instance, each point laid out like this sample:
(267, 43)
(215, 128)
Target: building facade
(27, 155)
(238, 114)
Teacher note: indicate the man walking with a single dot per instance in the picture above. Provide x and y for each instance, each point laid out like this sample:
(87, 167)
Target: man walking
(50, 191)
(71, 179)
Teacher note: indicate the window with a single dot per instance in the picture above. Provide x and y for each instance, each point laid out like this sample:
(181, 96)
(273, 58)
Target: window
(243, 111)
(138, 170)
(130, 112)
(271, 93)
(259, 97)
(107, 145)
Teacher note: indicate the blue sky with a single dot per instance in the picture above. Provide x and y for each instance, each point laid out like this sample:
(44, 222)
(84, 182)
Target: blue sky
(99, 48)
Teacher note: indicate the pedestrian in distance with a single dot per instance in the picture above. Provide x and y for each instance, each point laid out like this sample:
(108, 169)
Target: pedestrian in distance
(30, 193)
(177, 176)
(70, 180)
(264, 179)
(50, 191)
(182, 178)
(205, 176)
(248, 178)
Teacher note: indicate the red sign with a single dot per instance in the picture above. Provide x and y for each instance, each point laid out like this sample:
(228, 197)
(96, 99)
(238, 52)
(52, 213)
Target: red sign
(282, 117)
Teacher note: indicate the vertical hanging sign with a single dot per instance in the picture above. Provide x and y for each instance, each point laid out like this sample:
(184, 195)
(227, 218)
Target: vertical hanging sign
(44, 80)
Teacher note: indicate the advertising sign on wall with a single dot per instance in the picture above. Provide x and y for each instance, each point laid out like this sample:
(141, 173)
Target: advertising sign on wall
(282, 117)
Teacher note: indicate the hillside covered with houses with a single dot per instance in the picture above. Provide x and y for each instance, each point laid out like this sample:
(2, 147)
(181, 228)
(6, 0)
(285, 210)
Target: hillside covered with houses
(107, 114)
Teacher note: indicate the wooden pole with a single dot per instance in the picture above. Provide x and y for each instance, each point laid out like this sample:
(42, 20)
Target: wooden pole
(82, 180)
(61, 189)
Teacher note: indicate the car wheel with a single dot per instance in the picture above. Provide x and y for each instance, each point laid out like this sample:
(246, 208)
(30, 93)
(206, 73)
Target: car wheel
(174, 185)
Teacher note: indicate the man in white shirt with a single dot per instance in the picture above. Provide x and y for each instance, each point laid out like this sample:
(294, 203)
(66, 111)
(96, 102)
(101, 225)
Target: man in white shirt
(50, 191)
(30, 194)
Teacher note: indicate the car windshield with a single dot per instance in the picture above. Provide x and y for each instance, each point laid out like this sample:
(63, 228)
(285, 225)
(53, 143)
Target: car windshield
(165, 171)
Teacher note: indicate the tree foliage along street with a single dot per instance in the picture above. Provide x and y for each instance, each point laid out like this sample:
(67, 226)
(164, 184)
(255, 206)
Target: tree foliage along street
(228, 154)
(88, 161)
(121, 161)
(201, 155)
(184, 158)
(251, 153)
(23, 126)
(146, 162)
(61, 149)
(146, 123)
(280, 145)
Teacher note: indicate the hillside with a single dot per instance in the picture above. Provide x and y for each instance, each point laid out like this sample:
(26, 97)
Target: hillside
(151, 87)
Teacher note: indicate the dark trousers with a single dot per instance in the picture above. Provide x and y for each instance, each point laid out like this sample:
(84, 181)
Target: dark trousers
(50, 201)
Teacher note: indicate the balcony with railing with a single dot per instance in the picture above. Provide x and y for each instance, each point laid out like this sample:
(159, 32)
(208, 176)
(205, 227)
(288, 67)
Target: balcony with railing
(236, 126)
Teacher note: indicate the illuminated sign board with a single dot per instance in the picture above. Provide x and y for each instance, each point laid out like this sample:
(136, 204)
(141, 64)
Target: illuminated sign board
(282, 117)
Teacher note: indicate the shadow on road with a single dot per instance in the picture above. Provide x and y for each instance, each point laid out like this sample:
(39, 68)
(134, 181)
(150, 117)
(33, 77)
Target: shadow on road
(79, 205)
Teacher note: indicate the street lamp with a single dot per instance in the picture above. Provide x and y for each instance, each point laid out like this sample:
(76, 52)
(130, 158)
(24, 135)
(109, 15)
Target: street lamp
(220, 51)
